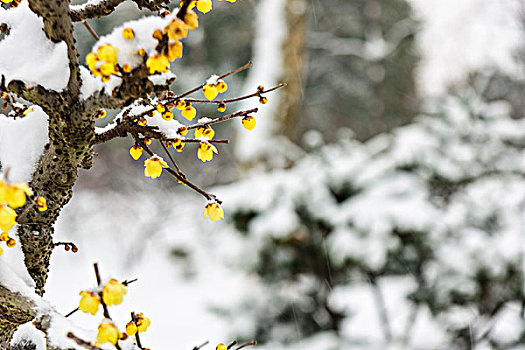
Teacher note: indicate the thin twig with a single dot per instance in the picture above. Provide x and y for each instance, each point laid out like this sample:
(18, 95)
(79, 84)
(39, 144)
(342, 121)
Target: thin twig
(235, 71)
(72, 312)
(222, 119)
(180, 97)
(199, 140)
(185, 181)
(237, 99)
(139, 344)
(232, 344)
(90, 30)
(183, 9)
(171, 159)
(104, 306)
(198, 347)
(252, 343)
(126, 283)
(82, 342)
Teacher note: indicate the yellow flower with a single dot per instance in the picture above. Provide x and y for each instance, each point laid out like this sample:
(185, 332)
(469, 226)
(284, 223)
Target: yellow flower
(174, 50)
(3, 191)
(183, 131)
(221, 347)
(158, 63)
(131, 328)
(4, 236)
(213, 211)
(91, 60)
(204, 6)
(142, 322)
(179, 147)
(16, 194)
(205, 151)
(126, 68)
(128, 33)
(41, 203)
(222, 86)
(210, 91)
(107, 69)
(248, 122)
(176, 30)
(141, 52)
(89, 302)
(142, 121)
(157, 34)
(113, 292)
(206, 131)
(135, 152)
(168, 115)
(10, 243)
(101, 114)
(221, 107)
(29, 110)
(189, 112)
(160, 108)
(147, 142)
(263, 100)
(107, 53)
(180, 105)
(108, 333)
(1, 251)
(191, 19)
(153, 167)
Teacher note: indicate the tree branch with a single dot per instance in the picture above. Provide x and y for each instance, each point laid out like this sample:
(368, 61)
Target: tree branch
(88, 10)
(15, 310)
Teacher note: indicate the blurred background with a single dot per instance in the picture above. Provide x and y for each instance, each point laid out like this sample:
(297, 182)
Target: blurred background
(378, 203)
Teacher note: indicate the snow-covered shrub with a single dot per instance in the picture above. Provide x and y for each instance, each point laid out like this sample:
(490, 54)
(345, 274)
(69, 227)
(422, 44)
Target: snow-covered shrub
(423, 227)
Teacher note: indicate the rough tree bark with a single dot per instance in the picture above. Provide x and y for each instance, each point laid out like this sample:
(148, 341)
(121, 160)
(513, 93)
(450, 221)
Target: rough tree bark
(70, 147)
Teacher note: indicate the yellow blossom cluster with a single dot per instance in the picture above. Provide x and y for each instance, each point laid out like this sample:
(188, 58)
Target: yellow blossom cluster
(186, 109)
(204, 6)
(13, 196)
(211, 90)
(165, 111)
(204, 131)
(111, 293)
(138, 324)
(173, 33)
(104, 62)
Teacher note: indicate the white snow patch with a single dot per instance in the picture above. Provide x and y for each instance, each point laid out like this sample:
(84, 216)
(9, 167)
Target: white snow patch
(27, 54)
(22, 143)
